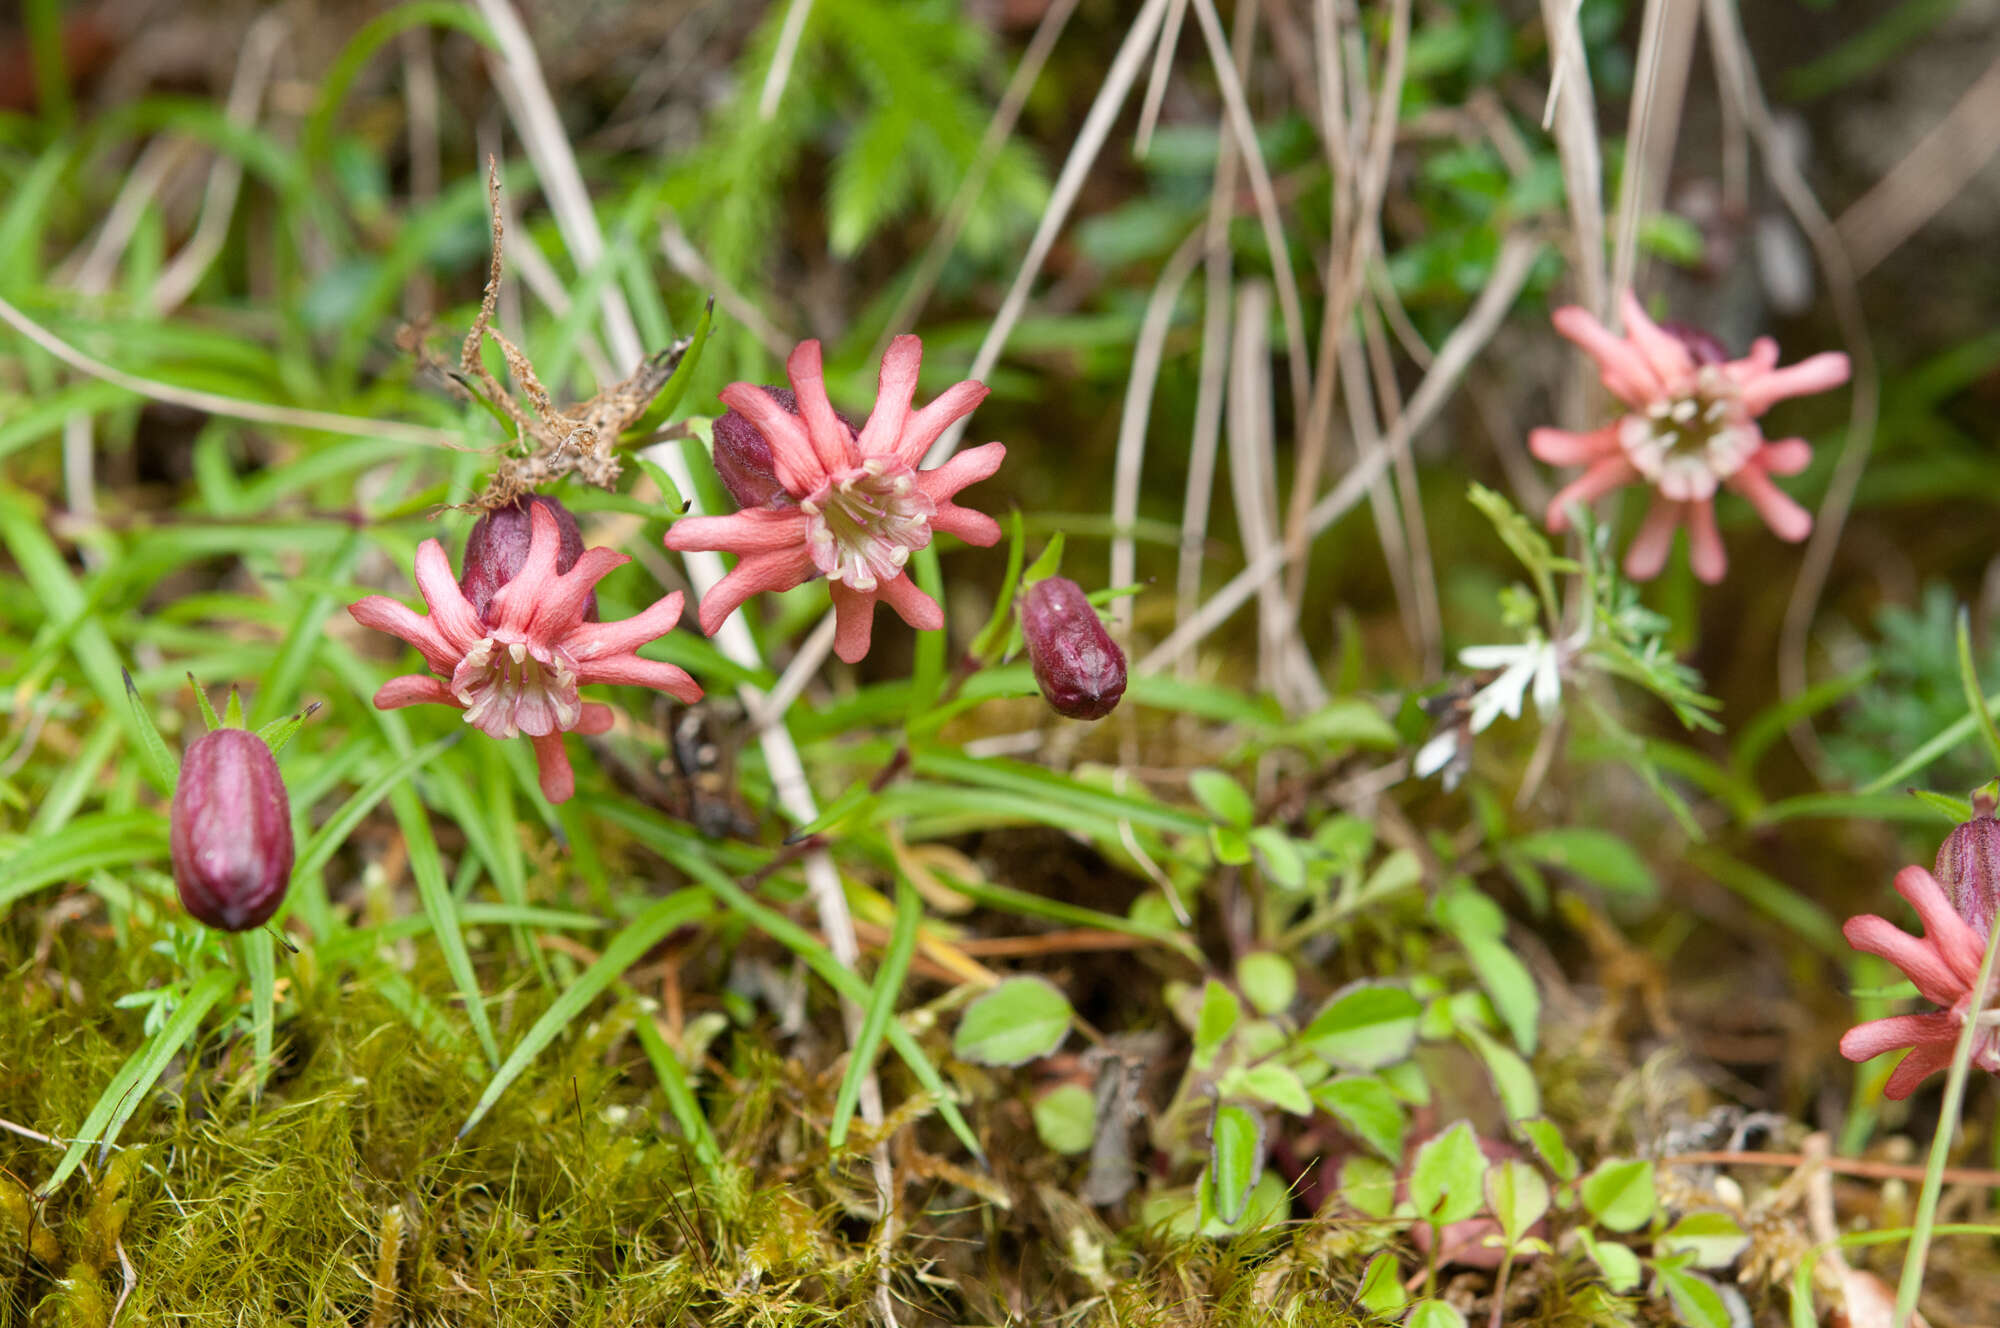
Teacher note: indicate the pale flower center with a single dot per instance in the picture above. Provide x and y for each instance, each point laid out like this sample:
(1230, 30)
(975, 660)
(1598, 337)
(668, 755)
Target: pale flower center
(863, 524)
(514, 687)
(1691, 440)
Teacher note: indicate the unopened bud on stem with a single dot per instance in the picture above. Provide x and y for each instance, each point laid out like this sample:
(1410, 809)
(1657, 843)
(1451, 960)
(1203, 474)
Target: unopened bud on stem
(231, 837)
(1079, 668)
(1968, 866)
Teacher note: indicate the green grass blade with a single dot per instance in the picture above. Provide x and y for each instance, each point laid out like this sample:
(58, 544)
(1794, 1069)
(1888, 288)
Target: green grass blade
(107, 839)
(881, 1008)
(680, 1094)
(427, 866)
(626, 949)
(160, 762)
(128, 1088)
(1968, 676)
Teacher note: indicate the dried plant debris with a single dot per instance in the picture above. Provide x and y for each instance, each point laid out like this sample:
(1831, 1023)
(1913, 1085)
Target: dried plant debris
(549, 442)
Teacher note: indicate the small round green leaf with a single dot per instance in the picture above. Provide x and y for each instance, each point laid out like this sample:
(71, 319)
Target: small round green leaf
(1714, 1239)
(1268, 980)
(1014, 1023)
(1435, 1314)
(1619, 1193)
(1518, 1197)
(1366, 1026)
(1367, 1110)
(1066, 1118)
(1223, 798)
(1445, 1181)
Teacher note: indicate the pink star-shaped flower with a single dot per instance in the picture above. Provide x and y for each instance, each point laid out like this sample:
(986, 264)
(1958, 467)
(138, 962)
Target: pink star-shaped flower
(516, 668)
(858, 507)
(1944, 963)
(1692, 428)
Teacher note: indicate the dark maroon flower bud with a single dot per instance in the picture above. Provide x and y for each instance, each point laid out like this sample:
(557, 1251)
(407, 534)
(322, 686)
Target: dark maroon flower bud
(498, 546)
(743, 455)
(232, 831)
(1079, 668)
(1968, 866)
(1705, 348)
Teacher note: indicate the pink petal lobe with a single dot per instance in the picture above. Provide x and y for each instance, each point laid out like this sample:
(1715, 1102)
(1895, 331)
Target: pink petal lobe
(413, 689)
(1865, 1042)
(1560, 447)
(1952, 936)
(965, 469)
(596, 718)
(1787, 520)
(753, 576)
(631, 670)
(917, 609)
(1705, 553)
(824, 430)
(793, 458)
(595, 640)
(1785, 456)
(560, 610)
(1918, 959)
(1588, 487)
(1654, 541)
(927, 425)
(752, 531)
(1816, 373)
(399, 620)
(1667, 356)
(895, 388)
(451, 613)
(558, 781)
(514, 604)
(1919, 1065)
(1624, 371)
(970, 526)
(853, 622)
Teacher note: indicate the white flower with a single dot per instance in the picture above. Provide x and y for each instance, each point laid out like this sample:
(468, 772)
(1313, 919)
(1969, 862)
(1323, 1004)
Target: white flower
(1536, 661)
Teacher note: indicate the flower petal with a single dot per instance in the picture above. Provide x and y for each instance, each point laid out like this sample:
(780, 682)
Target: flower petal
(853, 621)
(1654, 541)
(558, 781)
(793, 458)
(970, 526)
(753, 576)
(1919, 959)
(928, 424)
(895, 387)
(1952, 936)
(1705, 552)
(828, 436)
(1787, 520)
(966, 468)
(1624, 371)
(595, 718)
(1919, 1065)
(1817, 373)
(560, 609)
(1588, 487)
(1669, 359)
(514, 604)
(916, 608)
(398, 619)
(1560, 447)
(752, 531)
(414, 689)
(451, 612)
(596, 640)
(1784, 456)
(1866, 1041)
(631, 670)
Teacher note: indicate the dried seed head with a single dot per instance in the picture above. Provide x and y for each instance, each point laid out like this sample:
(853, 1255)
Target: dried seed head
(1079, 668)
(498, 546)
(232, 831)
(1968, 866)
